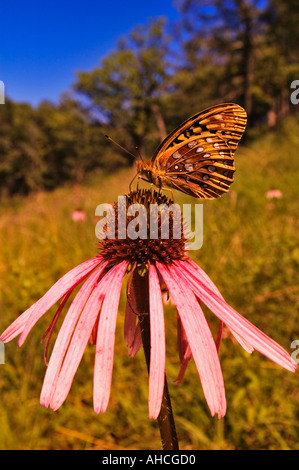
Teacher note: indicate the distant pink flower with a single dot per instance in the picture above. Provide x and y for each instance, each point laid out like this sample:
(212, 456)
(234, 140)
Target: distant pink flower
(93, 312)
(78, 215)
(274, 194)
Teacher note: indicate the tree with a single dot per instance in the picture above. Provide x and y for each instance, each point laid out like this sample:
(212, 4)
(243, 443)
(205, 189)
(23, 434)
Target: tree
(127, 90)
(223, 35)
(278, 63)
(72, 144)
(20, 148)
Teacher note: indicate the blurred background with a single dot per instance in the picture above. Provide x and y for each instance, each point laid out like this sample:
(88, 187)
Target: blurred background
(75, 71)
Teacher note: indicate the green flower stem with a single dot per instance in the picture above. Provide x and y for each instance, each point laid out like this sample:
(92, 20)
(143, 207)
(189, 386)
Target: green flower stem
(165, 418)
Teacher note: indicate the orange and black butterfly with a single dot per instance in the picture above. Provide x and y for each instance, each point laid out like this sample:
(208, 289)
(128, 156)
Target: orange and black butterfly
(197, 158)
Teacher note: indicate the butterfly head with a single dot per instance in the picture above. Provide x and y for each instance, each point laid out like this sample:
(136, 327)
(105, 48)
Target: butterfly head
(144, 169)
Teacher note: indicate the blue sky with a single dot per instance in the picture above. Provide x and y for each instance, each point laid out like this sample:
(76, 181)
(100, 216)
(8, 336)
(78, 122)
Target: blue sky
(44, 44)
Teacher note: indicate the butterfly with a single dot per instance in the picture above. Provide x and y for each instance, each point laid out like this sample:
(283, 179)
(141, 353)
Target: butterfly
(197, 158)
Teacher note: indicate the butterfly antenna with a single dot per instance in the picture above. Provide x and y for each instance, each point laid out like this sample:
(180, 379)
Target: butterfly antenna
(125, 150)
(139, 153)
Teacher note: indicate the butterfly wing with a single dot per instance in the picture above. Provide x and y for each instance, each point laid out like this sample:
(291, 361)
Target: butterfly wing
(197, 158)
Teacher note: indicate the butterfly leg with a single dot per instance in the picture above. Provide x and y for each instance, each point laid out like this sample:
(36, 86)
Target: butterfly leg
(130, 185)
(138, 179)
(166, 189)
(129, 286)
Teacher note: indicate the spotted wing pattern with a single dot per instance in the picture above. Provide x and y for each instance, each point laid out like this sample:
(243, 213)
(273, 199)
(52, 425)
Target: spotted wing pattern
(197, 158)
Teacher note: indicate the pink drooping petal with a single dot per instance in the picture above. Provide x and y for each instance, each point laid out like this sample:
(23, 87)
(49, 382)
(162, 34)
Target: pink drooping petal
(157, 335)
(49, 331)
(184, 350)
(184, 362)
(199, 337)
(94, 332)
(245, 345)
(105, 340)
(132, 333)
(235, 322)
(219, 336)
(213, 287)
(182, 338)
(130, 314)
(80, 339)
(65, 334)
(137, 342)
(23, 324)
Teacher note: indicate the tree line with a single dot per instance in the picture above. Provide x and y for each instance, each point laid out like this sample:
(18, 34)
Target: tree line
(243, 51)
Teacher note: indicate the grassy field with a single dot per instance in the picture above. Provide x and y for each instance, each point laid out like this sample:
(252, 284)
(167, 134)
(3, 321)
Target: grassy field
(251, 252)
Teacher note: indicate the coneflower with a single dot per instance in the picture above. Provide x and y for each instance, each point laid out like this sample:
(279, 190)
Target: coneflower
(92, 314)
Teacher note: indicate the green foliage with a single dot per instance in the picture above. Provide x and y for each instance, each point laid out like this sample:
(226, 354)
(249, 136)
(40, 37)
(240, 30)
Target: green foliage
(45, 147)
(250, 250)
(127, 88)
(21, 165)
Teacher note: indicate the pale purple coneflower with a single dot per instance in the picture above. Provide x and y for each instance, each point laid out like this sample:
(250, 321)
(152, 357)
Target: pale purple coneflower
(274, 194)
(78, 215)
(93, 312)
